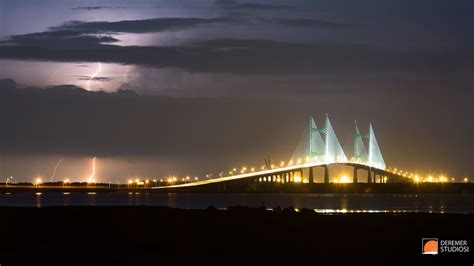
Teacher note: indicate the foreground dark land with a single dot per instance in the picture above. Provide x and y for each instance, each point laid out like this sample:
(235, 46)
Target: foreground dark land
(158, 235)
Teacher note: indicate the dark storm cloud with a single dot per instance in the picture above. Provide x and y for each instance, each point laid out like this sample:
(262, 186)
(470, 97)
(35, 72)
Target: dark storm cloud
(9, 87)
(239, 56)
(317, 23)
(7, 84)
(234, 5)
(60, 39)
(256, 6)
(84, 35)
(90, 8)
(138, 26)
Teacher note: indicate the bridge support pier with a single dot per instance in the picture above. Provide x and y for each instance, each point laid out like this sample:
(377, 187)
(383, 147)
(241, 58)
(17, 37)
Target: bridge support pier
(355, 179)
(326, 174)
(310, 175)
(369, 175)
(294, 175)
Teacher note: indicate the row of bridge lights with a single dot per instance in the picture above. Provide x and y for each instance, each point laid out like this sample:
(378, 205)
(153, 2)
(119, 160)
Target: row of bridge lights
(38, 181)
(169, 180)
(235, 171)
(429, 179)
(282, 164)
(415, 177)
(174, 179)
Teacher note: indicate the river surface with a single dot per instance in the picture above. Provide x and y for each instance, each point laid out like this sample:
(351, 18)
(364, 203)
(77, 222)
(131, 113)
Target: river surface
(323, 203)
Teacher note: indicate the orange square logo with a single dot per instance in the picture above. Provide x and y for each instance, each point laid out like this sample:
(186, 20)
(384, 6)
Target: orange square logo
(429, 246)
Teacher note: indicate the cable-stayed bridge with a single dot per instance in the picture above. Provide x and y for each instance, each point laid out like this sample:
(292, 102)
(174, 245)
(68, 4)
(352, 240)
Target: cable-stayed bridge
(318, 147)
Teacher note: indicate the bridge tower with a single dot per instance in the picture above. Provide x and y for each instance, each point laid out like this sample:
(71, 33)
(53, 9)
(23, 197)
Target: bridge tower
(360, 153)
(372, 159)
(311, 146)
(319, 145)
(333, 150)
(316, 143)
(375, 158)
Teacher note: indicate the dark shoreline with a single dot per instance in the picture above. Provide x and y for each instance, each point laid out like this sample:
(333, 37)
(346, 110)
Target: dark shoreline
(142, 235)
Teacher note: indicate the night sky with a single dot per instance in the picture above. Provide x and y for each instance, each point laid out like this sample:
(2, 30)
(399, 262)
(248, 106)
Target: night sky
(154, 88)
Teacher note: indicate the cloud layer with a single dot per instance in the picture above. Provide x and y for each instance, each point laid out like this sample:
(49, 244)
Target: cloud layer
(138, 26)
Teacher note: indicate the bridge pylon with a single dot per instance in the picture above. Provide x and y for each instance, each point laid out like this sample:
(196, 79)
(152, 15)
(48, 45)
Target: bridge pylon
(319, 145)
(375, 158)
(333, 149)
(372, 156)
(360, 153)
(311, 146)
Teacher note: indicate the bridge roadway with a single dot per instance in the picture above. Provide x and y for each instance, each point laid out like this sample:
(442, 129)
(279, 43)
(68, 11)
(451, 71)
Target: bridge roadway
(296, 168)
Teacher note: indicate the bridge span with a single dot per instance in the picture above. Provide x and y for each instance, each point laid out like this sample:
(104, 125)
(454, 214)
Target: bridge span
(318, 147)
(298, 174)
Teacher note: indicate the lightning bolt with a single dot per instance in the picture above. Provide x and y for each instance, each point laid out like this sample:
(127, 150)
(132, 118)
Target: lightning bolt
(91, 178)
(55, 168)
(93, 76)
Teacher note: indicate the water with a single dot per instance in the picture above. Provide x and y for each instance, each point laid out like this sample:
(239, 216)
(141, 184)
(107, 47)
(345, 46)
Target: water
(323, 203)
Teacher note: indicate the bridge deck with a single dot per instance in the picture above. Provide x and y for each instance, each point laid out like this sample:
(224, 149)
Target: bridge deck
(262, 173)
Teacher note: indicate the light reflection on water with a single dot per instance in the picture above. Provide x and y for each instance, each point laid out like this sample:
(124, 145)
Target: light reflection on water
(320, 203)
